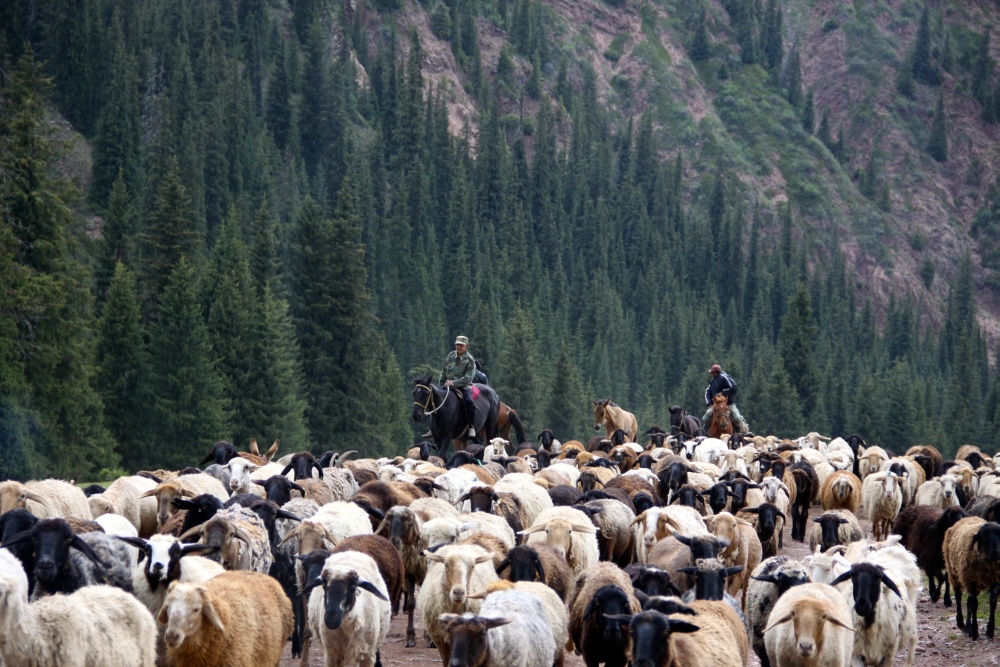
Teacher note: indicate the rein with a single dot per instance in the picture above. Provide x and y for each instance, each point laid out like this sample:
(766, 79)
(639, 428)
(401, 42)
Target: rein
(430, 401)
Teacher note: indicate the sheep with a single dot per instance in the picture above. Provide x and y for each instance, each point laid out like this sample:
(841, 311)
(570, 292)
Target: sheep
(122, 497)
(833, 528)
(524, 564)
(715, 638)
(974, 456)
(46, 499)
(568, 531)
(810, 626)
(242, 473)
(615, 537)
(842, 490)
(164, 560)
(562, 495)
(188, 486)
(511, 631)
(939, 492)
(446, 530)
(928, 457)
(223, 452)
(241, 538)
(598, 592)
(559, 474)
(278, 488)
(883, 623)
(871, 460)
(97, 558)
(350, 624)
(903, 565)
(972, 559)
(553, 608)
(658, 523)
(807, 490)
(743, 549)
(675, 553)
(234, 618)
(882, 499)
(769, 581)
(768, 522)
(341, 482)
(985, 507)
(333, 522)
(912, 473)
(455, 483)
(63, 630)
(454, 572)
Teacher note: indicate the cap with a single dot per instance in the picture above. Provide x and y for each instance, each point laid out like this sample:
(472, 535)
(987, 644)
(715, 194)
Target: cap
(461, 340)
(716, 368)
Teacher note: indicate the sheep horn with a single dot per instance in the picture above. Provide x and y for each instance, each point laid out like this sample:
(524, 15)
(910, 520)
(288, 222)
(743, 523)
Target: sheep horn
(31, 495)
(242, 535)
(285, 514)
(191, 532)
(343, 457)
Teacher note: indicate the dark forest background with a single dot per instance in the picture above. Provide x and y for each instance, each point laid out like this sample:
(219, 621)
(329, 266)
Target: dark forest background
(273, 228)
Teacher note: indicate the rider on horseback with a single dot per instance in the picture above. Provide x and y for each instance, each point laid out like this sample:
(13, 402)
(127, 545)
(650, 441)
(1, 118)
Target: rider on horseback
(458, 373)
(725, 385)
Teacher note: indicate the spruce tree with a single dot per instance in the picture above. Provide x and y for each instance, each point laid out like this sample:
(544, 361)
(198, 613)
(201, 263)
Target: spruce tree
(904, 79)
(923, 70)
(123, 372)
(701, 48)
(937, 145)
(982, 71)
(793, 76)
(188, 398)
(823, 133)
(771, 36)
(566, 412)
(795, 345)
(518, 381)
(778, 411)
(809, 114)
(118, 235)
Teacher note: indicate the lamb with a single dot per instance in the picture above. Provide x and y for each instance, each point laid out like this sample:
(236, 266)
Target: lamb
(351, 625)
(601, 592)
(46, 499)
(97, 558)
(235, 618)
(241, 538)
(883, 623)
(882, 499)
(972, 559)
(939, 492)
(122, 497)
(922, 529)
(743, 549)
(47, 633)
(715, 639)
(511, 631)
(842, 490)
(833, 528)
(810, 626)
(570, 532)
(453, 573)
(769, 581)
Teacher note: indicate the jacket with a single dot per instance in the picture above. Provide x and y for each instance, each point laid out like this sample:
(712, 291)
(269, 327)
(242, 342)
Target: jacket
(721, 384)
(460, 370)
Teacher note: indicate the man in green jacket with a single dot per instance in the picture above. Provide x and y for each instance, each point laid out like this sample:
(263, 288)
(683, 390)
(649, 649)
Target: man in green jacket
(458, 372)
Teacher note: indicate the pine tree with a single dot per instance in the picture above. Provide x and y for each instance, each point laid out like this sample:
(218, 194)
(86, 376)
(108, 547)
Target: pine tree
(123, 372)
(771, 36)
(119, 235)
(937, 145)
(823, 133)
(519, 362)
(923, 70)
(701, 48)
(809, 114)
(904, 79)
(387, 406)
(566, 412)
(794, 77)
(265, 251)
(117, 145)
(778, 411)
(795, 344)
(982, 71)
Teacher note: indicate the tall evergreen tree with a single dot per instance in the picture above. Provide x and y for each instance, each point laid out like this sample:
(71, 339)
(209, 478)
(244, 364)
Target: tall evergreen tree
(518, 368)
(809, 114)
(701, 48)
(119, 235)
(937, 145)
(566, 412)
(923, 70)
(796, 349)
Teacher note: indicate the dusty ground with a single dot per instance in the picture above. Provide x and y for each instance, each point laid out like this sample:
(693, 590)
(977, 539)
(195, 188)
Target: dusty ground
(941, 645)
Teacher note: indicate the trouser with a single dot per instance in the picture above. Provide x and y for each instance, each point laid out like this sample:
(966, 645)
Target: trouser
(470, 406)
(739, 424)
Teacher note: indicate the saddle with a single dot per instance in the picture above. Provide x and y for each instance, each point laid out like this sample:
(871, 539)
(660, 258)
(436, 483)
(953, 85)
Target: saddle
(475, 392)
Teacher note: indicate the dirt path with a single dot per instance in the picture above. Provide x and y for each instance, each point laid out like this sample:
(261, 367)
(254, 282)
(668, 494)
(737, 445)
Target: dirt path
(940, 645)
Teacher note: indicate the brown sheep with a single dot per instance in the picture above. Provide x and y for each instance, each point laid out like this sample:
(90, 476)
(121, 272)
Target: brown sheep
(633, 485)
(972, 559)
(317, 490)
(481, 472)
(841, 491)
(931, 461)
(598, 592)
(234, 618)
(744, 549)
(537, 563)
(489, 543)
(388, 560)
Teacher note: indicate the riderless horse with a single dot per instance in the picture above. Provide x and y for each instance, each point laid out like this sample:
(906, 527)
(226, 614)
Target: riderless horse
(446, 413)
(613, 418)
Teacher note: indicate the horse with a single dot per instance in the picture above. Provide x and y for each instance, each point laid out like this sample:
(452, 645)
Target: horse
(446, 411)
(506, 419)
(720, 422)
(682, 422)
(613, 418)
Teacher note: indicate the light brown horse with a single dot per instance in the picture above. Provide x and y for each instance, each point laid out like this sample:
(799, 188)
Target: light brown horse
(613, 418)
(506, 420)
(720, 422)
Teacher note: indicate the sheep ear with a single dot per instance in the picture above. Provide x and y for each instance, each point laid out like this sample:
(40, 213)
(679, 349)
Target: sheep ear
(496, 622)
(372, 588)
(208, 458)
(784, 619)
(378, 531)
(433, 557)
(187, 549)
(285, 514)
(462, 498)
(484, 559)
(768, 578)
(148, 494)
(844, 577)
(752, 510)
(294, 532)
(504, 564)
(683, 626)
(208, 611)
(163, 616)
(638, 519)
(890, 584)
(683, 539)
(730, 571)
(583, 528)
(534, 529)
(188, 494)
(621, 618)
(82, 546)
(841, 622)
(540, 570)
(284, 471)
(476, 596)
(329, 537)
(298, 488)
(591, 608)
(319, 469)
(817, 520)
(688, 570)
(136, 542)
(241, 534)
(254, 449)
(258, 482)
(313, 583)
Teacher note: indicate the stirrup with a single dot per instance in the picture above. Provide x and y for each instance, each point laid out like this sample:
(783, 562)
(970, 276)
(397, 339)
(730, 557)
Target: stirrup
(472, 431)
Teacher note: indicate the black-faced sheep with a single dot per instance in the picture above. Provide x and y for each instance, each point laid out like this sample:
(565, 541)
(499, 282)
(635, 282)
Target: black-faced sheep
(833, 528)
(972, 559)
(883, 622)
(769, 581)
(601, 592)
(922, 529)
(512, 628)
(538, 563)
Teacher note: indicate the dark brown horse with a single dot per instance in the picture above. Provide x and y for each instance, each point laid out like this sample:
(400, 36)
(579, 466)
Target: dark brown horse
(720, 422)
(506, 419)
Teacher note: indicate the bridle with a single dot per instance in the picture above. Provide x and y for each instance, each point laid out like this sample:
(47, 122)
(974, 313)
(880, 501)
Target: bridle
(429, 401)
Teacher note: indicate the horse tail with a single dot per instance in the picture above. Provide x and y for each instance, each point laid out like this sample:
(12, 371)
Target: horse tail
(518, 426)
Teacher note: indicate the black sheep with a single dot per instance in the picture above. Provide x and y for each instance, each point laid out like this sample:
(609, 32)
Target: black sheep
(302, 463)
(922, 529)
(279, 488)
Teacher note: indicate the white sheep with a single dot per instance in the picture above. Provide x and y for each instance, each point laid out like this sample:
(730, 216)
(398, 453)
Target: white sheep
(555, 610)
(454, 572)
(241, 537)
(46, 499)
(810, 625)
(824, 568)
(517, 633)
(342, 483)
(939, 492)
(658, 523)
(123, 497)
(533, 498)
(165, 560)
(871, 460)
(883, 618)
(350, 623)
(242, 473)
(446, 529)
(454, 484)
(97, 626)
(881, 498)
(570, 532)
(559, 474)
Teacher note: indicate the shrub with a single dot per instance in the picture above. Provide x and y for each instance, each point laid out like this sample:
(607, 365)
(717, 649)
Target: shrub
(616, 48)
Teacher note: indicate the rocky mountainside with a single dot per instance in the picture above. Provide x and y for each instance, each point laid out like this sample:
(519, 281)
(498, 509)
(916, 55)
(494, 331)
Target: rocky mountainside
(863, 178)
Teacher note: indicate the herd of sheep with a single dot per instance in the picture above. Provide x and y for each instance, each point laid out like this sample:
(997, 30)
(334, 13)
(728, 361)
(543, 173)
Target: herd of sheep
(655, 554)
